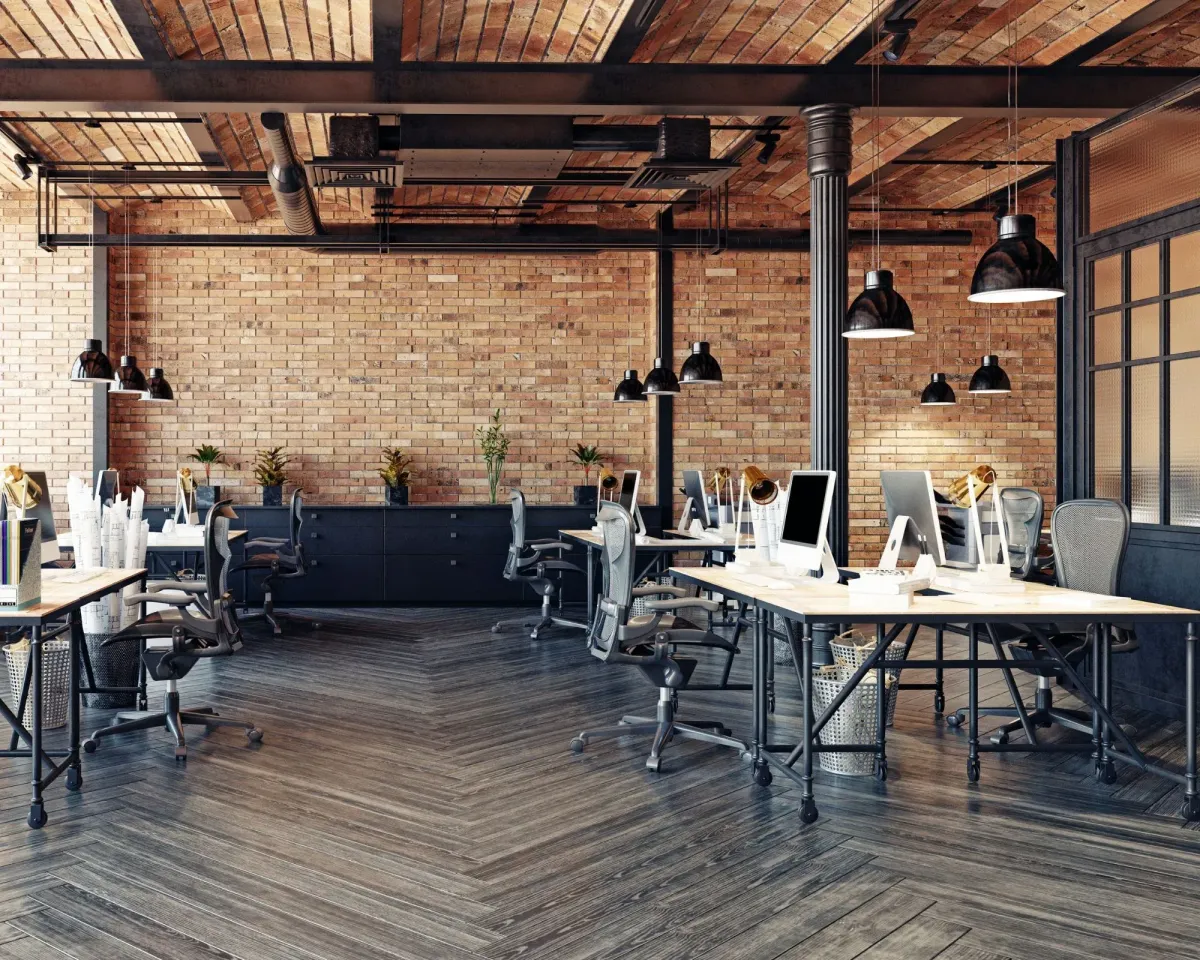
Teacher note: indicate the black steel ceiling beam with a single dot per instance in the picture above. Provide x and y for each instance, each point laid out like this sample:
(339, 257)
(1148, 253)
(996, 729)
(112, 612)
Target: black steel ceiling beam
(1148, 15)
(632, 31)
(387, 31)
(522, 238)
(141, 29)
(567, 89)
(258, 178)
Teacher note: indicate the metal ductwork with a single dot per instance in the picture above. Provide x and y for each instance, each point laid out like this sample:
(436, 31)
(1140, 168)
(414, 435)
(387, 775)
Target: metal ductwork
(287, 180)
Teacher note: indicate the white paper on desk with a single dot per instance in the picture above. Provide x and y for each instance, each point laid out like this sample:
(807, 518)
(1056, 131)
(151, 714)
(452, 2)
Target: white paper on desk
(1079, 599)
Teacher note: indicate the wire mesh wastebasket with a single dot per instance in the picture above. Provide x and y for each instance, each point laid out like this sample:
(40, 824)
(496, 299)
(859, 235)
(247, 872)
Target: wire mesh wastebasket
(56, 680)
(853, 723)
(851, 649)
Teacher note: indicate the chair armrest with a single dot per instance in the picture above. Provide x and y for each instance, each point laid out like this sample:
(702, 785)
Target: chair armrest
(660, 590)
(178, 586)
(544, 545)
(175, 600)
(684, 603)
(265, 543)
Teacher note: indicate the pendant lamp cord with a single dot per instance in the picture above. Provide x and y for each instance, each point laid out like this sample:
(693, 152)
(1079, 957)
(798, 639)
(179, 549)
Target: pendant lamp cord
(875, 98)
(1014, 102)
(125, 217)
(628, 312)
(987, 187)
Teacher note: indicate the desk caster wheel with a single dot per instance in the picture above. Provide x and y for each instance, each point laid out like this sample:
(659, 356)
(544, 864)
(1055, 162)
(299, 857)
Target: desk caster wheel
(181, 755)
(954, 720)
(496, 629)
(74, 778)
(1190, 810)
(808, 811)
(762, 773)
(90, 745)
(939, 704)
(578, 744)
(881, 771)
(1000, 736)
(254, 736)
(973, 770)
(533, 635)
(654, 764)
(1106, 772)
(37, 816)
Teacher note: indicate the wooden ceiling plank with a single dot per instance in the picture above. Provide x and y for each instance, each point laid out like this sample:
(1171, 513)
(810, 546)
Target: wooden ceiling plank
(441, 29)
(516, 32)
(59, 24)
(733, 47)
(253, 31)
(725, 25)
(339, 30)
(470, 30)
(34, 31)
(227, 32)
(669, 29)
(411, 29)
(698, 29)
(597, 26)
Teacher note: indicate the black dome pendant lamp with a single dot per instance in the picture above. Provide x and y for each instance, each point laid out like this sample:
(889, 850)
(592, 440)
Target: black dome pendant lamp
(1018, 267)
(158, 390)
(630, 389)
(878, 312)
(990, 377)
(938, 392)
(661, 381)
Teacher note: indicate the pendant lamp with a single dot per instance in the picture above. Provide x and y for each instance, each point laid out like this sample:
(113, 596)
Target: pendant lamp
(701, 366)
(1018, 267)
(128, 379)
(938, 392)
(157, 388)
(661, 381)
(878, 312)
(630, 389)
(990, 377)
(93, 365)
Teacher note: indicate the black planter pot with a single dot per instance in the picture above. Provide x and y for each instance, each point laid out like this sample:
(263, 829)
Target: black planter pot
(396, 496)
(585, 496)
(273, 495)
(206, 496)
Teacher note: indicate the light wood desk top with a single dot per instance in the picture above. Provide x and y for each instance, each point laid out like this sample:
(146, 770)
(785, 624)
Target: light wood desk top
(64, 590)
(677, 543)
(159, 541)
(833, 603)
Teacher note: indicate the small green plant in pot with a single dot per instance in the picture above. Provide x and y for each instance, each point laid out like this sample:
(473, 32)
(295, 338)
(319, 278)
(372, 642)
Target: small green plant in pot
(270, 473)
(395, 475)
(206, 493)
(587, 457)
(493, 444)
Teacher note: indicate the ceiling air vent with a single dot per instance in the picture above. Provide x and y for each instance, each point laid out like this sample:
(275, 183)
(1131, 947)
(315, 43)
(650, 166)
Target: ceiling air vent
(682, 160)
(382, 172)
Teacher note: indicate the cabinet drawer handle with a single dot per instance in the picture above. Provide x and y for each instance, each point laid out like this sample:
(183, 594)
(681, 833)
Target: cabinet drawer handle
(312, 516)
(312, 563)
(454, 563)
(454, 516)
(314, 536)
(454, 536)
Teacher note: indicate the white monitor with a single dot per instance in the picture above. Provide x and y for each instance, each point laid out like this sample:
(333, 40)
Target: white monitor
(806, 518)
(693, 488)
(909, 493)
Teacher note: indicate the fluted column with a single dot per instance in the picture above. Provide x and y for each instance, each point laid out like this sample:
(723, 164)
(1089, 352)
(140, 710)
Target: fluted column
(829, 155)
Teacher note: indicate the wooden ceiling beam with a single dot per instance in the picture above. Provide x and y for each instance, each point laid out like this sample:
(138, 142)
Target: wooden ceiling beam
(227, 86)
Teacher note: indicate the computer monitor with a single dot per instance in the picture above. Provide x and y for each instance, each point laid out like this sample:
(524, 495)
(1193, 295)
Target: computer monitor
(629, 489)
(806, 518)
(108, 485)
(693, 487)
(909, 493)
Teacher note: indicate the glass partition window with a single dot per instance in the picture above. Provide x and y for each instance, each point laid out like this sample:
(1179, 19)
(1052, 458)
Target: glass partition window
(1144, 333)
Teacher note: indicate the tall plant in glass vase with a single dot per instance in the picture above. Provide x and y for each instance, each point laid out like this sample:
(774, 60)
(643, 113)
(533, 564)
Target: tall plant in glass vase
(493, 444)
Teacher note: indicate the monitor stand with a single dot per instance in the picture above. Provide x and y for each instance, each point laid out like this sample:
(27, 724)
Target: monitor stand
(829, 572)
(891, 552)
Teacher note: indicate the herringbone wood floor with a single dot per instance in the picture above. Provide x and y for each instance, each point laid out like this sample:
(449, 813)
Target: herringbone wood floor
(415, 797)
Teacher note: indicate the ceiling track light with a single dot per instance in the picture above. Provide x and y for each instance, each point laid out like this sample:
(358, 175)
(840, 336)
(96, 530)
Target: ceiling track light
(769, 141)
(21, 162)
(899, 31)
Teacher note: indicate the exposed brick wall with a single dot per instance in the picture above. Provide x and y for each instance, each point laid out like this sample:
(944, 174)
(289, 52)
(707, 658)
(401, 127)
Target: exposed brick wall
(45, 314)
(335, 356)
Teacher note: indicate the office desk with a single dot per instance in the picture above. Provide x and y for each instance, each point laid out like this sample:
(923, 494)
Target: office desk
(832, 604)
(156, 543)
(659, 549)
(63, 594)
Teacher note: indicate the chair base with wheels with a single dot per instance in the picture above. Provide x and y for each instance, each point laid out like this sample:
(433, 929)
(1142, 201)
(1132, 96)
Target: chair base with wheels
(664, 728)
(535, 624)
(268, 614)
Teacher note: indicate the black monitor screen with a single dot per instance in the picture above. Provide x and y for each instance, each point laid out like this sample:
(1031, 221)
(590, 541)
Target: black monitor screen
(805, 503)
(629, 481)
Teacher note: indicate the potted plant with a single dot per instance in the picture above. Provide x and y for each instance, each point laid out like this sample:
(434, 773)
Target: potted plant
(493, 444)
(270, 473)
(206, 493)
(395, 475)
(587, 457)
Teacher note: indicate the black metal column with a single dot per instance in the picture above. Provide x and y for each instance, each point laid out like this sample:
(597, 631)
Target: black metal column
(665, 318)
(829, 154)
(100, 332)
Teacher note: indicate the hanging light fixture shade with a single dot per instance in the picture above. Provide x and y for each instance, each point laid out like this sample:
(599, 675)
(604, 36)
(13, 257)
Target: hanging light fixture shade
(661, 381)
(990, 377)
(1018, 267)
(879, 311)
(93, 365)
(701, 366)
(938, 392)
(630, 389)
(128, 379)
(157, 388)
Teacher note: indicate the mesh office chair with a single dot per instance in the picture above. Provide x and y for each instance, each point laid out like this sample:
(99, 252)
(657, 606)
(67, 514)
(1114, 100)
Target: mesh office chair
(1089, 538)
(176, 639)
(532, 569)
(282, 559)
(647, 642)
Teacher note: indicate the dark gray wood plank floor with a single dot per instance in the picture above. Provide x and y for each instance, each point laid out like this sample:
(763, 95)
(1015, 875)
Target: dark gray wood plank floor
(415, 797)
